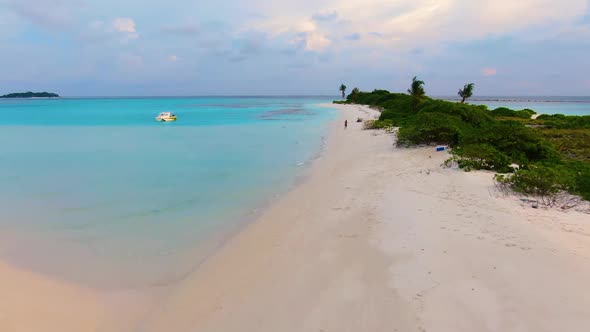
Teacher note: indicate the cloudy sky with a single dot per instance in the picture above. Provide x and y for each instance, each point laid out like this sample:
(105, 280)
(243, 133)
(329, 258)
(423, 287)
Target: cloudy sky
(238, 47)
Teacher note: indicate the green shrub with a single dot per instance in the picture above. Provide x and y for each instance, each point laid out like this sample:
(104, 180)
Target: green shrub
(522, 144)
(506, 112)
(407, 136)
(429, 128)
(353, 96)
(481, 156)
(561, 121)
(398, 108)
(502, 111)
(474, 115)
(525, 113)
(571, 143)
(580, 172)
(370, 124)
(368, 98)
(538, 181)
(378, 124)
(398, 102)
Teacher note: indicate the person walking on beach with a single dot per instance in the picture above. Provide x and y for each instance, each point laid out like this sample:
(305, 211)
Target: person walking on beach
(345, 124)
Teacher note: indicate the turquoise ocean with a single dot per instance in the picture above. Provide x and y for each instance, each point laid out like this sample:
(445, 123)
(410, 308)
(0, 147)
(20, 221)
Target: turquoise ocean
(95, 191)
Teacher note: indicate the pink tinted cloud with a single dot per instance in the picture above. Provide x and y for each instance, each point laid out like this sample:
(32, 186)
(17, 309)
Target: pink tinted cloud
(489, 71)
(124, 24)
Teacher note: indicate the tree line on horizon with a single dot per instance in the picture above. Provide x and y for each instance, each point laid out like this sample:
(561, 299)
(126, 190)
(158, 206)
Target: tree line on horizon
(30, 94)
(417, 90)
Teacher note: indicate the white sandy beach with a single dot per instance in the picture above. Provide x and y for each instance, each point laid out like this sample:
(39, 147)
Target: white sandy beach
(375, 239)
(383, 239)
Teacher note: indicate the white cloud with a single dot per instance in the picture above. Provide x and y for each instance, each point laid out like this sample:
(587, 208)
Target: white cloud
(489, 71)
(124, 24)
(311, 41)
(121, 29)
(126, 27)
(316, 41)
(308, 31)
(306, 26)
(406, 24)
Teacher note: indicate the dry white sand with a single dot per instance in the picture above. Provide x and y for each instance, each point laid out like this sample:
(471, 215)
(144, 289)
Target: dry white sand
(376, 239)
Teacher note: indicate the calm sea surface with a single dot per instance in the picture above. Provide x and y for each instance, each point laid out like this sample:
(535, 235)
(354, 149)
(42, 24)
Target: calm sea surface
(95, 191)
(540, 104)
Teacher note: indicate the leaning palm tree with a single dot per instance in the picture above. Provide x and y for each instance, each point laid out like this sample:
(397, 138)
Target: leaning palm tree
(466, 92)
(343, 89)
(417, 91)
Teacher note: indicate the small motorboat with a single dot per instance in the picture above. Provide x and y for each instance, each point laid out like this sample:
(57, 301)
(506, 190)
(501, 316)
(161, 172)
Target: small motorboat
(166, 117)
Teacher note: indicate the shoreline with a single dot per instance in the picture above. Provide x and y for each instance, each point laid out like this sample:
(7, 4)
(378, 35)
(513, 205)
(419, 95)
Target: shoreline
(81, 296)
(372, 238)
(367, 245)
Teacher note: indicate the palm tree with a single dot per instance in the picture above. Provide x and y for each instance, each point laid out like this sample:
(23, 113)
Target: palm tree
(417, 91)
(466, 92)
(343, 89)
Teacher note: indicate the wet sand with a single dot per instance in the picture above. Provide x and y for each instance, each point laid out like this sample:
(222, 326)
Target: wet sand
(374, 239)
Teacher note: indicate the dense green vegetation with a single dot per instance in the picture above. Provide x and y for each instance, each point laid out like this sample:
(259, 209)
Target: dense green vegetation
(560, 121)
(31, 95)
(551, 153)
(506, 112)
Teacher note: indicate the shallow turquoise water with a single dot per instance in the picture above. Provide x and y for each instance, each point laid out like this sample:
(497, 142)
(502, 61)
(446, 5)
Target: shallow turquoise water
(97, 192)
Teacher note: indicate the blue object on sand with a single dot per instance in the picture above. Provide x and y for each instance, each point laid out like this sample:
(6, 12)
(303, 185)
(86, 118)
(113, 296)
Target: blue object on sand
(440, 148)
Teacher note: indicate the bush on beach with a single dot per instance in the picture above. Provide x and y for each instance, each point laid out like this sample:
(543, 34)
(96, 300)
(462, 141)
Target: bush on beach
(480, 156)
(541, 181)
(386, 125)
(506, 112)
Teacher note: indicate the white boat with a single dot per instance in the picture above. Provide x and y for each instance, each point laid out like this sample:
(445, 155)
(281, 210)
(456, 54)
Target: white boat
(166, 117)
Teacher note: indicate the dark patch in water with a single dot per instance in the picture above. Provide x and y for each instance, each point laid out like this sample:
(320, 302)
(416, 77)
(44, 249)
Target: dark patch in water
(278, 114)
(282, 119)
(218, 105)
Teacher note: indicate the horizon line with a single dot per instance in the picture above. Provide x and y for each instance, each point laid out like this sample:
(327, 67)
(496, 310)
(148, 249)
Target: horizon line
(337, 96)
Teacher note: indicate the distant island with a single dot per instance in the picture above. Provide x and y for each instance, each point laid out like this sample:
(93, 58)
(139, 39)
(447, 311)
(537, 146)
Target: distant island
(31, 95)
